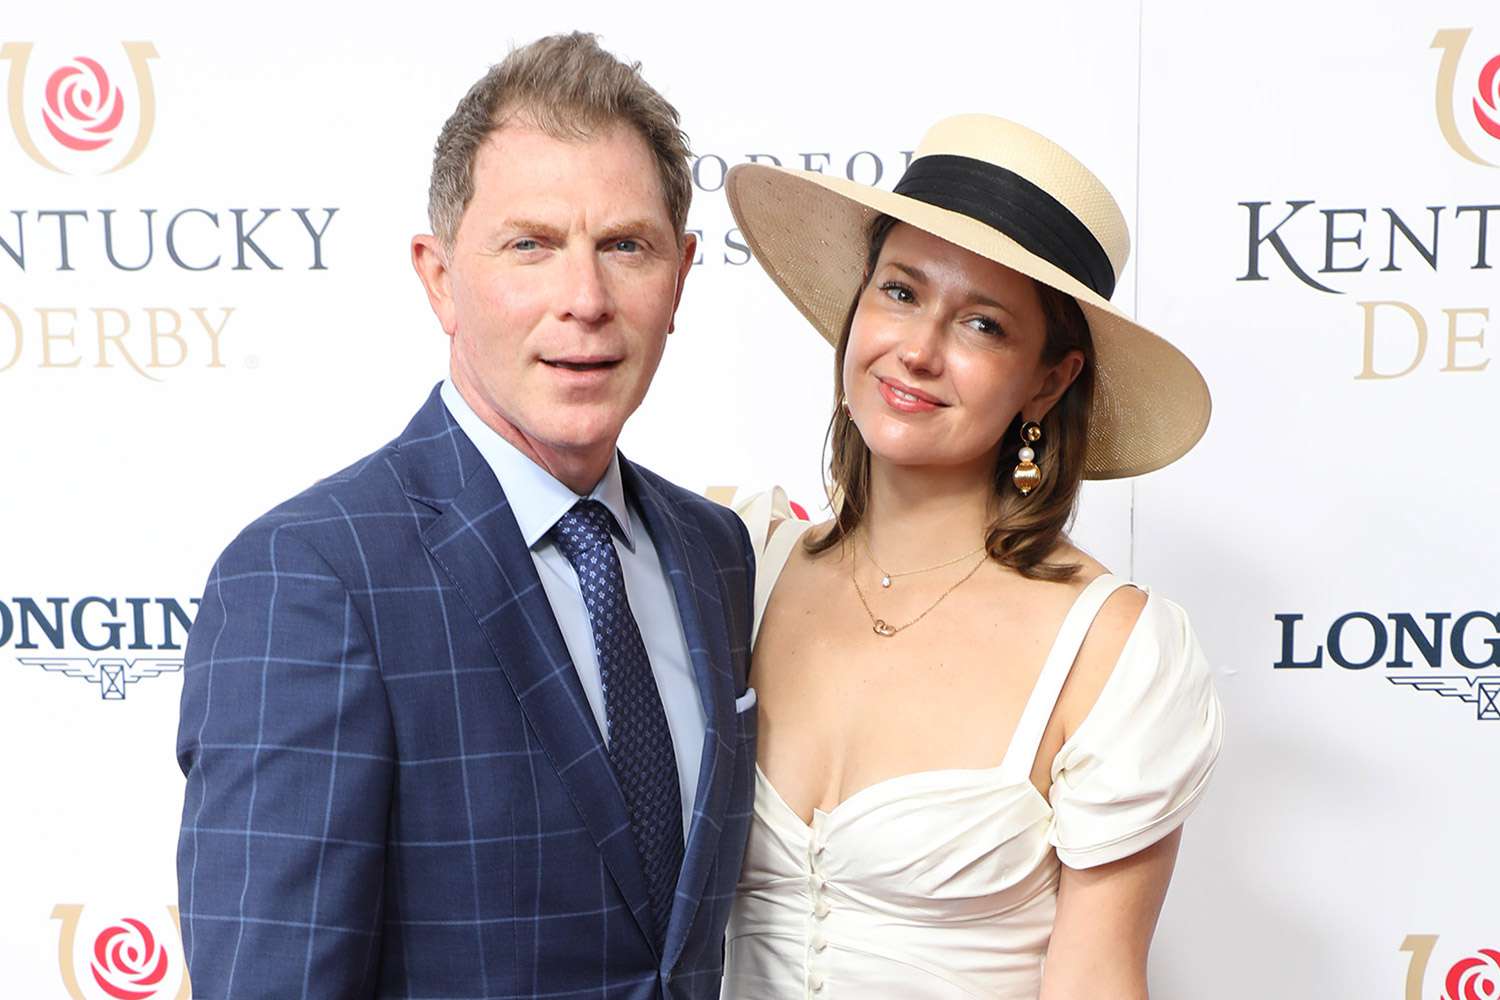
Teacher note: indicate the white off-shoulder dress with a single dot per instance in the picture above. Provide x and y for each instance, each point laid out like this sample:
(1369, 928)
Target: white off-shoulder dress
(943, 884)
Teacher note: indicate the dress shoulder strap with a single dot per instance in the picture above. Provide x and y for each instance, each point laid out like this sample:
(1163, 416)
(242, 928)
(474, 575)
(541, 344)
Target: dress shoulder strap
(1021, 754)
(772, 561)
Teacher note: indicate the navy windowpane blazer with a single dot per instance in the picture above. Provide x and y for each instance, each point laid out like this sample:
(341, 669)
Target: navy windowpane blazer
(395, 785)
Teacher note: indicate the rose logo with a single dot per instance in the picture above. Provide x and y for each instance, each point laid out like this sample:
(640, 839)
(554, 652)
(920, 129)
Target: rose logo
(1451, 42)
(128, 963)
(82, 108)
(1475, 978)
(1489, 94)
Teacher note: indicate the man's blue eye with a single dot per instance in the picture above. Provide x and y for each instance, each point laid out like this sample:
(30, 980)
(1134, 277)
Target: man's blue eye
(629, 246)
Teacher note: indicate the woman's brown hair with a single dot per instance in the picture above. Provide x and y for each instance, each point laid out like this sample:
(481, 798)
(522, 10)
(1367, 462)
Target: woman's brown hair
(1023, 531)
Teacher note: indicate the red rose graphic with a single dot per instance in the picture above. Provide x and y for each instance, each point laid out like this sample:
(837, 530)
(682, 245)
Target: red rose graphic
(1475, 978)
(82, 108)
(1489, 97)
(126, 959)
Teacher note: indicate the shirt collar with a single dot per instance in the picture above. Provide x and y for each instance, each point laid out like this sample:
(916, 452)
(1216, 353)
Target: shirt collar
(536, 499)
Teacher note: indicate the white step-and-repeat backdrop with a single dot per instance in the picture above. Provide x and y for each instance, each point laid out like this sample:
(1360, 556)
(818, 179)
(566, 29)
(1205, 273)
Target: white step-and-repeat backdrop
(205, 304)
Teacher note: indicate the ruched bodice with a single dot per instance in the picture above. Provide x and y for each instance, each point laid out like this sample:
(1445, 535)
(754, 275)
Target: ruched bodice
(943, 884)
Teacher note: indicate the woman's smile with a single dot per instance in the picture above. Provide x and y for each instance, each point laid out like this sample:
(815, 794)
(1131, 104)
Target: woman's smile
(906, 399)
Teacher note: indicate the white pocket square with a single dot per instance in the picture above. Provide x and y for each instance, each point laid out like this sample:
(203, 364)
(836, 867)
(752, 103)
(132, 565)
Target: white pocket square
(744, 701)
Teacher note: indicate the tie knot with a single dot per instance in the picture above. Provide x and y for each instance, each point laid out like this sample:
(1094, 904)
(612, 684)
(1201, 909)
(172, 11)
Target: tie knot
(584, 528)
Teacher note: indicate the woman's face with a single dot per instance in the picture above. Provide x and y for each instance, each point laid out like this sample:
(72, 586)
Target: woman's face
(944, 351)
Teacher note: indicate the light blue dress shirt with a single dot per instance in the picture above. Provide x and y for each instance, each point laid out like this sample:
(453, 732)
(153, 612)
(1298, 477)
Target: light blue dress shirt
(537, 500)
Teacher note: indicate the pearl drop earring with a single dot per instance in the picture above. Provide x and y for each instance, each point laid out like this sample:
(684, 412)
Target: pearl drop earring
(1027, 476)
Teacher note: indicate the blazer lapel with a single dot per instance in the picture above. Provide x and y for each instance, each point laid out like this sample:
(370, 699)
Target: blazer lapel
(695, 587)
(478, 544)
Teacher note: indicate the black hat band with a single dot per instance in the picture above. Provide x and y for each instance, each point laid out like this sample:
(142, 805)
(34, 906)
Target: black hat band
(1005, 201)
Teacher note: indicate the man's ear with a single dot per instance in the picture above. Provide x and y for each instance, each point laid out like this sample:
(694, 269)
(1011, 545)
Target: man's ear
(430, 260)
(689, 254)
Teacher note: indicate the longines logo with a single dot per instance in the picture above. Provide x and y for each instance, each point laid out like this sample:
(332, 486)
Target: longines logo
(48, 633)
(1328, 247)
(1475, 976)
(85, 116)
(126, 960)
(82, 108)
(727, 246)
(1419, 656)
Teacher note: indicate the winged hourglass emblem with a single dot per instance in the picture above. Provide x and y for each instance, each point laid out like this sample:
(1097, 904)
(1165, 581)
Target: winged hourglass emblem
(1481, 692)
(112, 675)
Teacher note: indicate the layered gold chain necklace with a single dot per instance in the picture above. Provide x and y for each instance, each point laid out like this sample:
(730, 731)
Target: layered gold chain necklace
(879, 625)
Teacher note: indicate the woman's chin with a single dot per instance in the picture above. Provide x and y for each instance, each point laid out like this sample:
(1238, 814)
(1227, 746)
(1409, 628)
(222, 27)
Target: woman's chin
(907, 455)
(928, 452)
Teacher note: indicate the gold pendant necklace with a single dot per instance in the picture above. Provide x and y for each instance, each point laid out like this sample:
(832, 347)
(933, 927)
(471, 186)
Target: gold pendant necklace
(887, 580)
(879, 625)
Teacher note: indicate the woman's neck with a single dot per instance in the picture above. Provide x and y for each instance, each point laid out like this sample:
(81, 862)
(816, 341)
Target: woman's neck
(918, 516)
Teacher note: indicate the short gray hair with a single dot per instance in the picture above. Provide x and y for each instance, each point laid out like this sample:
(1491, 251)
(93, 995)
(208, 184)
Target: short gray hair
(569, 88)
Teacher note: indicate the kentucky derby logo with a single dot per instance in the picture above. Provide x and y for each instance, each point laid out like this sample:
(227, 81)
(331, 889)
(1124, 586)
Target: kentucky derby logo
(82, 108)
(1472, 977)
(1458, 100)
(127, 959)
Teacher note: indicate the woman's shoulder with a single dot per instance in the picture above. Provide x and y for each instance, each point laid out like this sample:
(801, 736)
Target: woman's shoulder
(1141, 647)
(1116, 618)
(1136, 633)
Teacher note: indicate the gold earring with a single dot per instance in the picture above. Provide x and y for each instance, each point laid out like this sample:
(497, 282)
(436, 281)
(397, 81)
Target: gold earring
(1027, 476)
(844, 405)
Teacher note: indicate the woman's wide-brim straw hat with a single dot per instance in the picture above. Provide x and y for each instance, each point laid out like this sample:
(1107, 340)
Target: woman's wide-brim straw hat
(1004, 192)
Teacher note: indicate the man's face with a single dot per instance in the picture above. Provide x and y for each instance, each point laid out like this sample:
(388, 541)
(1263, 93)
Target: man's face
(559, 291)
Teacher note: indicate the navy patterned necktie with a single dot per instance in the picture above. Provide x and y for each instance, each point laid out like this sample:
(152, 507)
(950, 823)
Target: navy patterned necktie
(640, 744)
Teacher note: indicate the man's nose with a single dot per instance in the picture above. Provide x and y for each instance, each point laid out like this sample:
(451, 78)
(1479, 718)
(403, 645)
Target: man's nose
(586, 294)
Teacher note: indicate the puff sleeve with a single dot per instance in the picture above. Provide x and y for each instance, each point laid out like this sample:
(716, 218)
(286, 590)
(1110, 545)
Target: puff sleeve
(1139, 762)
(759, 511)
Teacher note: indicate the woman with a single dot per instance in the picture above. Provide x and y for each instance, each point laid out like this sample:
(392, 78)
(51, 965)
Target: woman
(977, 747)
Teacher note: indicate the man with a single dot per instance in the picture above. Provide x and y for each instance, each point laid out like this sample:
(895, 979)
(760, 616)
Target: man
(470, 718)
